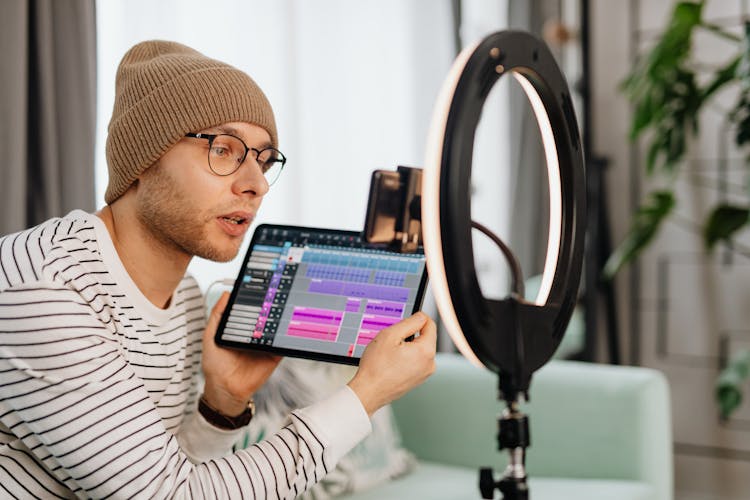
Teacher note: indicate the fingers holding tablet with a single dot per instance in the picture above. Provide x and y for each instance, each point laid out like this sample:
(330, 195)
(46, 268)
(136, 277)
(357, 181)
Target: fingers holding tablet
(390, 367)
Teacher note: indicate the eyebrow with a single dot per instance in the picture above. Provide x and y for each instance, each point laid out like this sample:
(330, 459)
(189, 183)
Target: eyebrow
(227, 130)
(223, 129)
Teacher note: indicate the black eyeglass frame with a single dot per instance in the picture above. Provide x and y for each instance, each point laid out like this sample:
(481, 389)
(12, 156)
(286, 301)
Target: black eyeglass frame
(211, 137)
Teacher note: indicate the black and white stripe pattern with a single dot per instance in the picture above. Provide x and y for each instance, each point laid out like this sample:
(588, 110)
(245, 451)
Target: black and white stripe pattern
(98, 392)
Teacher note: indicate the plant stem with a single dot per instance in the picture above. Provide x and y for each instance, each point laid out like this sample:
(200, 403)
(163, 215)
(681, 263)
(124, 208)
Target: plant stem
(735, 247)
(718, 31)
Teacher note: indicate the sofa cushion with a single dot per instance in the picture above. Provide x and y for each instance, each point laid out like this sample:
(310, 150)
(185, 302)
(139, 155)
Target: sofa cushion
(441, 482)
(587, 421)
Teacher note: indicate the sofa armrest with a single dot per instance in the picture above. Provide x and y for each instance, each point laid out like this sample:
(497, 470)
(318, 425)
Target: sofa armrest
(587, 421)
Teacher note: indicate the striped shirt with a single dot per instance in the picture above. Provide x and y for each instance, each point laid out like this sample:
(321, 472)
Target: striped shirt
(99, 387)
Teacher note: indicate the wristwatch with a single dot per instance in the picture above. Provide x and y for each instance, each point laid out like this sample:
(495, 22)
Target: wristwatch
(218, 419)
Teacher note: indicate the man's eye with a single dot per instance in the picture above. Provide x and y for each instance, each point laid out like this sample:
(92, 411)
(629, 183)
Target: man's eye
(220, 151)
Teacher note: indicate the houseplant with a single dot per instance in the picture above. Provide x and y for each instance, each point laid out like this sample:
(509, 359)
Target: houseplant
(668, 88)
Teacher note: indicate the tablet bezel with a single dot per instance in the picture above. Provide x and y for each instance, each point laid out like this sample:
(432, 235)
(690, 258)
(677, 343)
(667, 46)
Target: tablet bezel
(335, 358)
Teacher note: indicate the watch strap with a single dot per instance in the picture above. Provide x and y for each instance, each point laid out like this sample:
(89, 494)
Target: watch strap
(218, 419)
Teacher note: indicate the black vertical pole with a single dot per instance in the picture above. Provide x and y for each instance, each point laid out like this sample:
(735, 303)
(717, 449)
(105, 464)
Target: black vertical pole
(591, 264)
(597, 241)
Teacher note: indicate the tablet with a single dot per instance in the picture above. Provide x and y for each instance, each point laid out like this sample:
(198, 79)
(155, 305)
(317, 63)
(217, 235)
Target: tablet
(318, 293)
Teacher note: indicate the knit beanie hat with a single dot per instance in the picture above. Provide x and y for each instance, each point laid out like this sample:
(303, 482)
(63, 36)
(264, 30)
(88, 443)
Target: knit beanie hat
(164, 90)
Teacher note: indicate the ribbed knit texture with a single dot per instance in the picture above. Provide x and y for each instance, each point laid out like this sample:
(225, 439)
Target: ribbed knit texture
(164, 90)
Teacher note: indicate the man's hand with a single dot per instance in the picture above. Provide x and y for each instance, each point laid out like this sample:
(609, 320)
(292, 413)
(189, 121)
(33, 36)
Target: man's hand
(390, 366)
(232, 377)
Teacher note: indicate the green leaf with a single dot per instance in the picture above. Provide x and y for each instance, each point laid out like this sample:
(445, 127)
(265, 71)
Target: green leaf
(724, 221)
(729, 384)
(645, 225)
(723, 76)
(664, 92)
(643, 115)
(654, 150)
(740, 114)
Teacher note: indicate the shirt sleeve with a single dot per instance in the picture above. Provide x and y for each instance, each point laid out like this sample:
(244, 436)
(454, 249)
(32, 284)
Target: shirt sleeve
(85, 420)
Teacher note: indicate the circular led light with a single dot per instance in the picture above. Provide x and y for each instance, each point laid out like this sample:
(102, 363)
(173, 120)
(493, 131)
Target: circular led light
(480, 326)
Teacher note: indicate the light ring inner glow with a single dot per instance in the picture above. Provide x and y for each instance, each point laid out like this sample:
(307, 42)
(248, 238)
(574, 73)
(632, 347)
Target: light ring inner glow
(555, 188)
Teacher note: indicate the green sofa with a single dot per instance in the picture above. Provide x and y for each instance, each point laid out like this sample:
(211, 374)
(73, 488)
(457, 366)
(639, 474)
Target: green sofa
(597, 432)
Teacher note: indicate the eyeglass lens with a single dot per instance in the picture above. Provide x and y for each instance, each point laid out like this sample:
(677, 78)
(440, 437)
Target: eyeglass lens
(227, 153)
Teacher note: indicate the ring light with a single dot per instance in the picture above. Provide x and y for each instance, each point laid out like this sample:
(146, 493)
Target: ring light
(511, 337)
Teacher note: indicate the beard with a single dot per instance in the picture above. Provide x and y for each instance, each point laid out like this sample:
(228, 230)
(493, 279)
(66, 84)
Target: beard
(172, 218)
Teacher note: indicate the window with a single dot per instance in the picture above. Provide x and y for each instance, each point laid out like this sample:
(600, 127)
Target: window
(359, 78)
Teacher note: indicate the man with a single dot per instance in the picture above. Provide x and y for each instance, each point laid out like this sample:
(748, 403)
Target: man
(102, 334)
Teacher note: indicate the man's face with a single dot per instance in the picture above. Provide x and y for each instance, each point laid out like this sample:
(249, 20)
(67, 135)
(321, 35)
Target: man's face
(188, 207)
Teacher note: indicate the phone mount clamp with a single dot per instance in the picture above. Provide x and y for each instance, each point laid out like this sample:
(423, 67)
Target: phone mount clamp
(394, 209)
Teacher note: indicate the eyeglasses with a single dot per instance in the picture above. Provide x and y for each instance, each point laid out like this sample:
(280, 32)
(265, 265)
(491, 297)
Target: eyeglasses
(227, 152)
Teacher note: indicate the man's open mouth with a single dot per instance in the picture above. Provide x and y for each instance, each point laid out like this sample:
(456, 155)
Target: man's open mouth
(234, 220)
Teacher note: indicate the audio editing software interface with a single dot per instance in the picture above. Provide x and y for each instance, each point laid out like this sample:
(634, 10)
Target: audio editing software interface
(321, 291)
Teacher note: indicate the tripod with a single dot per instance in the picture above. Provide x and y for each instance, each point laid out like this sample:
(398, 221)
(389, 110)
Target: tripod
(513, 434)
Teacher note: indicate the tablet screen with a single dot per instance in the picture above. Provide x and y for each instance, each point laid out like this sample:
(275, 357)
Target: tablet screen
(318, 293)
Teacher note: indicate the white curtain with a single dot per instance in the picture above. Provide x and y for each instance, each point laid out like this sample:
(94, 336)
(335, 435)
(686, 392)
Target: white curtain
(352, 84)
